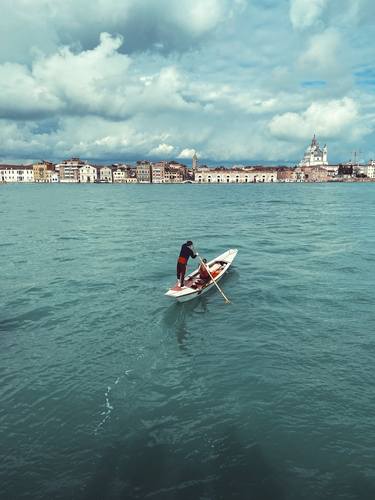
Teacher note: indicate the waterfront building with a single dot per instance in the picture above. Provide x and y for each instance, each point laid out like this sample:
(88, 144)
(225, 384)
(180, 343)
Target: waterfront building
(69, 170)
(131, 180)
(314, 155)
(175, 173)
(286, 174)
(88, 174)
(143, 172)
(369, 169)
(238, 175)
(105, 174)
(158, 172)
(53, 176)
(332, 170)
(311, 174)
(120, 175)
(42, 171)
(16, 173)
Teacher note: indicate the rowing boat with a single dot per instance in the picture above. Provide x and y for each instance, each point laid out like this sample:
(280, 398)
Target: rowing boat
(194, 286)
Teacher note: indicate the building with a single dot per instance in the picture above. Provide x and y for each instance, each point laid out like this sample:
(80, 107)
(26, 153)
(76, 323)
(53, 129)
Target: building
(69, 170)
(311, 174)
(286, 174)
(53, 176)
(124, 174)
(88, 174)
(105, 174)
(235, 175)
(194, 165)
(158, 172)
(332, 170)
(314, 156)
(369, 169)
(175, 173)
(120, 175)
(16, 173)
(143, 172)
(42, 171)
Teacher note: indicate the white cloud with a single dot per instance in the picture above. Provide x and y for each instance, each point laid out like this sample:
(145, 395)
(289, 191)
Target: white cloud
(186, 153)
(304, 13)
(22, 96)
(97, 81)
(162, 150)
(125, 79)
(47, 24)
(332, 119)
(322, 53)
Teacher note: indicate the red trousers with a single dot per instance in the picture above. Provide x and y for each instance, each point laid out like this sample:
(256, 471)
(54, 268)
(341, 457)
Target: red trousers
(181, 270)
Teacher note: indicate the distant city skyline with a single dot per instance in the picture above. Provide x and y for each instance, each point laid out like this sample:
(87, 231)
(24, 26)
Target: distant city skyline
(238, 81)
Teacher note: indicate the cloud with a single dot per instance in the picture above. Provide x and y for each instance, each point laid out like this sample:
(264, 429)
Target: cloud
(332, 119)
(304, 13)
(322, 54)
(99, 81)
(46, 25)
(24, 97)
(186, 153)
(127, 79)
(162, 150)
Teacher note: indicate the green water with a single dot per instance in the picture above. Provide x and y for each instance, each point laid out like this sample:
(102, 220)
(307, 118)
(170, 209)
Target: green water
(110, 390)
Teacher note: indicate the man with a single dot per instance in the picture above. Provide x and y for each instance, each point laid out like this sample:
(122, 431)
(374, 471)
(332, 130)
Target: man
(187, 251)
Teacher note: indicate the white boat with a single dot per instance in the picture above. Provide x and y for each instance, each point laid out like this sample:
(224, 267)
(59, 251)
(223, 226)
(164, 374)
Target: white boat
(194, 286)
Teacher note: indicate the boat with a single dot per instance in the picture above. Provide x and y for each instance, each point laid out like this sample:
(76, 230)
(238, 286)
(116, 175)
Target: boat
(194, 286)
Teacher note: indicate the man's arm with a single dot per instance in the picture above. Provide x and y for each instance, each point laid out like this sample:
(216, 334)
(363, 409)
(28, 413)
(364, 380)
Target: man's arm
(193, 253)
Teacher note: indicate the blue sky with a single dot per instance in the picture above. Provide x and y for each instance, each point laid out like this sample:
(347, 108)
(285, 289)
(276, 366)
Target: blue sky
(238, 81)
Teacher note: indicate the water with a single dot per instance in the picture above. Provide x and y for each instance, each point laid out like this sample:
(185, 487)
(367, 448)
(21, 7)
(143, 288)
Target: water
(111, 391)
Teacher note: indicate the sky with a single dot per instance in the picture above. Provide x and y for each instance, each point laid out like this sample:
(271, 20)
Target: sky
(239, 81)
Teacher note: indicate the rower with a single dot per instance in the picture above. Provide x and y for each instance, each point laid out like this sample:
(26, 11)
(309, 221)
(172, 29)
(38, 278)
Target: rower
(186, 251)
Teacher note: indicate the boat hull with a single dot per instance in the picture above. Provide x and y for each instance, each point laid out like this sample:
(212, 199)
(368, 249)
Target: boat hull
(189, 293)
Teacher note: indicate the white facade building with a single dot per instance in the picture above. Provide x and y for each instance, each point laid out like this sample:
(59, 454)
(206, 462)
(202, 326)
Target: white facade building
(88, 173)
(237, 176)
(105, 174)
(120, 175)
(16, 173)
(314, 156)
(54, 176)
(369, 170)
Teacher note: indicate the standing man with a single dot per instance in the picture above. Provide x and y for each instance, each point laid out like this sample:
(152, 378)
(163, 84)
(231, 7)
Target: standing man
(187, 251)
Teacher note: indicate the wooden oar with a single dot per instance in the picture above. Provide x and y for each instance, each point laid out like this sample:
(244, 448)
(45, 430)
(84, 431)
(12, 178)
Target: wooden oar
(227, 301)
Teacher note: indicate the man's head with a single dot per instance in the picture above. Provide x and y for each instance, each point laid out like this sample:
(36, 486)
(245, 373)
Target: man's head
(205, 261)
(189, 243)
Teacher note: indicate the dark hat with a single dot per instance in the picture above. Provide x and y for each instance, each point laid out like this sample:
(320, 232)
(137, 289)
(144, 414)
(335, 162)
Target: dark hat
(189, 243)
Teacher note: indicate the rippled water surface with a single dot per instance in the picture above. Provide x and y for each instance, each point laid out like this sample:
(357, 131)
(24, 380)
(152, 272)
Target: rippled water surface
(109, 390)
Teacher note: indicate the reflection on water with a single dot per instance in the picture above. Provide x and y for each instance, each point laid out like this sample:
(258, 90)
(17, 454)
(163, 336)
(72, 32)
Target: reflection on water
(177, 318)
(141, 467)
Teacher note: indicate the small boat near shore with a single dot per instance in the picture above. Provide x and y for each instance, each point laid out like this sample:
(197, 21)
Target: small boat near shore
(194, 286)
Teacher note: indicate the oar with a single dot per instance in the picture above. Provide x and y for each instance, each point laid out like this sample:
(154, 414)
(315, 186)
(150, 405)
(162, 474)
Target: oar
(227, 301)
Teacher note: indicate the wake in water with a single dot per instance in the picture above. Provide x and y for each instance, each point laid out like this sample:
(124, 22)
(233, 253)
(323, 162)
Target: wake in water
(108, 405)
